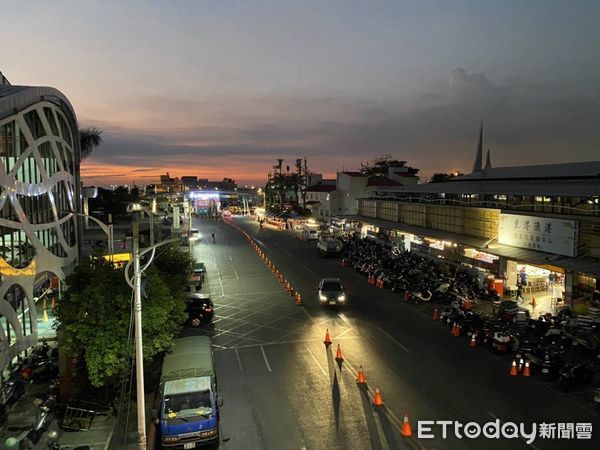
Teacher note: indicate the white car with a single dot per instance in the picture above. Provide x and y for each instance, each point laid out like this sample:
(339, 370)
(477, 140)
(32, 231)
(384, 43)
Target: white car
(310, 235)
(194, 234)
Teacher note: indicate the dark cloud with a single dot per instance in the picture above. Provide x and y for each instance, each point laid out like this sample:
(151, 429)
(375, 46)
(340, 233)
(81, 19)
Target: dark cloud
(437, 131)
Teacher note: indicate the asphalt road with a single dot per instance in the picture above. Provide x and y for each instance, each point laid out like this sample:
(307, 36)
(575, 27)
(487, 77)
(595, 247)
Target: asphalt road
(283, 389)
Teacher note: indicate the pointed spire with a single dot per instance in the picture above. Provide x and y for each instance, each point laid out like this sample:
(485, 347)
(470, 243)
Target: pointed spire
(488, 160)
(477, 167)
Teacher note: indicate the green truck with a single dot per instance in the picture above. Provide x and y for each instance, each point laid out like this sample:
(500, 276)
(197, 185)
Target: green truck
(189, 404)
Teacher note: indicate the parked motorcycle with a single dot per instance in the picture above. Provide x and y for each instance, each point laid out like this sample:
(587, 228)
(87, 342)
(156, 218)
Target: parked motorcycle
(13, 389)
(575, 375)
(45, 415)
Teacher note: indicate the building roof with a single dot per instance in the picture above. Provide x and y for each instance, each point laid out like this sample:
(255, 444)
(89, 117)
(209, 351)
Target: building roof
(16, 98)
(565, 187)
(321, 188)
(353, 174)
(405, 174)
(588, 169)
(382, 181)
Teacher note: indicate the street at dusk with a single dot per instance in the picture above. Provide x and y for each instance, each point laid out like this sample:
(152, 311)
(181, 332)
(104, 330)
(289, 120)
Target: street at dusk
(299, 225)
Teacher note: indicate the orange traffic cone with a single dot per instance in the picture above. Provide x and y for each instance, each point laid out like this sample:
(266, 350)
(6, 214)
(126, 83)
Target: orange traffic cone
(453, 330)
(406, 429)
(436, 314)
(327, 340)
(360, 379)
(458, 330)
(338, 354)
(473, 343)
(513, 368)
(533, 300)
(298, 298)
(377, 398)
(405, 296)
(53, 304)
(526, 370)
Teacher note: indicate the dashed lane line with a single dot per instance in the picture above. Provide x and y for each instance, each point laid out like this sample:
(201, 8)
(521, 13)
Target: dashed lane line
(316, 360)
(310, 271)
(394, 341)
(265, 358)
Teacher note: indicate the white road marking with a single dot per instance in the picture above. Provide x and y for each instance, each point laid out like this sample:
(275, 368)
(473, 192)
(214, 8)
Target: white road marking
(316, 360)
(230, 257)
(343, 317)
(236, 274)
(265, 357)
(308, 269)
(221, 283)
(291, 256)
(501, 421)
(261, 243)
(395, 341)
(342, 333)
(237, 355)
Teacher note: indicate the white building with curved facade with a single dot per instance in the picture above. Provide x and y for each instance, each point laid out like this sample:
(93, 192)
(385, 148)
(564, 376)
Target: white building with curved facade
(39, 186)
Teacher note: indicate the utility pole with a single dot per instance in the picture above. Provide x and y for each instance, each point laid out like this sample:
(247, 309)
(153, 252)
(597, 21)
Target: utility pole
(139, 349)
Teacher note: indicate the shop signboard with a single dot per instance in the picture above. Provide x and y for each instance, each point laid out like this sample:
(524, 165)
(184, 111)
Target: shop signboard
(558, 236)
(480, 256)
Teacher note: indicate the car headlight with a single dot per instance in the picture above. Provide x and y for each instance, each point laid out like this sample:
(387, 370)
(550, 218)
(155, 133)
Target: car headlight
(322, 298)
(342, 298)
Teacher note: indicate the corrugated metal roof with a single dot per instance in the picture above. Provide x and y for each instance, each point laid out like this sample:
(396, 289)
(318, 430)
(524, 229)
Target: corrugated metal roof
(563, 170)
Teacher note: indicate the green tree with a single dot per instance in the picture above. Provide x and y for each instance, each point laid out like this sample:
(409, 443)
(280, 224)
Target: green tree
(95, 316)
(442, 177)
(379, 166)
(89, 139)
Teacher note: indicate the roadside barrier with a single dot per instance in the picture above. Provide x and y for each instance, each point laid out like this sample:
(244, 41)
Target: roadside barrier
(327, 340)
(526, 370)
(377, 398)
(338, 354)
(361, 379)
(406, 429)
(473, 343)
(513, 369)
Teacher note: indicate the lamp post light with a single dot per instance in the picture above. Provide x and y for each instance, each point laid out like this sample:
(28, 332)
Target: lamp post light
(132, 207)
(135, 283)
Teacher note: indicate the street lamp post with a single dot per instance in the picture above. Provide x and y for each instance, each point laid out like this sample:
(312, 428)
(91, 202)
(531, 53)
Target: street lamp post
(135, 283)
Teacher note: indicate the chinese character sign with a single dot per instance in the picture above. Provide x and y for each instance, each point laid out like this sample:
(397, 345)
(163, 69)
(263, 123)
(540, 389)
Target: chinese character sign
(544, 234)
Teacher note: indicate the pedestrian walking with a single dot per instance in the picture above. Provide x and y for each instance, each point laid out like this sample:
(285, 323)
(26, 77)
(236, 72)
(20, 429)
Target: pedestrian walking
(213, 237)
(520, 292)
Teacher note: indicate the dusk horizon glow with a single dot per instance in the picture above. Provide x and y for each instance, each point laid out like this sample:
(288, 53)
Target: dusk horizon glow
(223, 89)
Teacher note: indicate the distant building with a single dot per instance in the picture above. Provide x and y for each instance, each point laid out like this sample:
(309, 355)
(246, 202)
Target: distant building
(321, 199)
(513, 222)
(189, 182)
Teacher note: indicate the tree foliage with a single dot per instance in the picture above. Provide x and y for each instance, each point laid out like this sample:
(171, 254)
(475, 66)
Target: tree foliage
(89, 139)
(442, 177)
(96, 311)
(379, 166)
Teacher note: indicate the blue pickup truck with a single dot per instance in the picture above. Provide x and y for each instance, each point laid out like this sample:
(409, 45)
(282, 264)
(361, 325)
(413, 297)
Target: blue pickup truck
(189, 404)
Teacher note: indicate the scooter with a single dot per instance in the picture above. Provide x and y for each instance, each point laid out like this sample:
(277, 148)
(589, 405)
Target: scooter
(13, 390)
(572, 375)
(44, 416)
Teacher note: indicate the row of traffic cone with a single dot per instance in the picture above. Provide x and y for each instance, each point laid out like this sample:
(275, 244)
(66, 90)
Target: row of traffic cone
(361, 379)
(286, 284)
(521, 368)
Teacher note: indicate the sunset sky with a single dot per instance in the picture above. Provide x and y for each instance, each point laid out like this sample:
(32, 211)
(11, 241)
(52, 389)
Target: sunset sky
(223, 88)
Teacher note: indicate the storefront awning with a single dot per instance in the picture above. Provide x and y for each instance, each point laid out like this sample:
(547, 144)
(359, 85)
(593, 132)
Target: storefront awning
(470, 241)
(587, 266)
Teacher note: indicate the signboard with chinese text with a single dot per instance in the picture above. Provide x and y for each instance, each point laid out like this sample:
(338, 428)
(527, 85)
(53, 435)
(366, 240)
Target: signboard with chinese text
(545, 234)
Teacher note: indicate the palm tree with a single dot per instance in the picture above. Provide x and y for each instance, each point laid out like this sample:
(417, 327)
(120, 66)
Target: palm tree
(89, 140)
